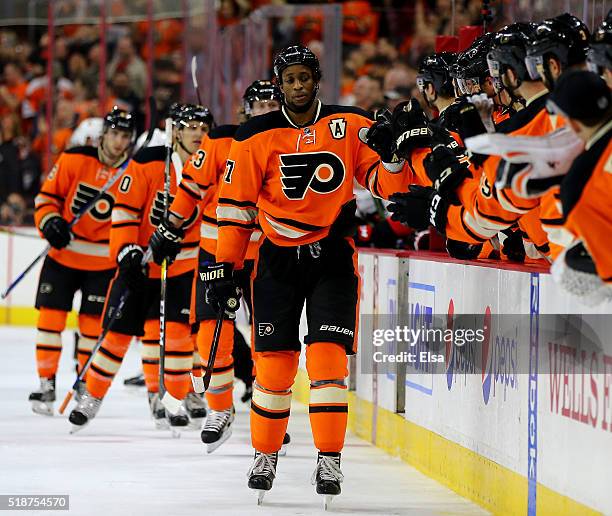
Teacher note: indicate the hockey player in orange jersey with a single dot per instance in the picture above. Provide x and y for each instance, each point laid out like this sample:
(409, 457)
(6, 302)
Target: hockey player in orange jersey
(486, 210)
(79, 258)
(199, 186)
(138, 210)
(584, 268)
(292, 172)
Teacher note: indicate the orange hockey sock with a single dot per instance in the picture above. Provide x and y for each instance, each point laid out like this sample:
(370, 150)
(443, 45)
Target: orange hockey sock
(106, 363)
(221, 388)
(51, 324)
(326, 363)
(271, 403)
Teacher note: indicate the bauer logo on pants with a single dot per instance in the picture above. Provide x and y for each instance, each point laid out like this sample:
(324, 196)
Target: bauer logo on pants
(264, 329)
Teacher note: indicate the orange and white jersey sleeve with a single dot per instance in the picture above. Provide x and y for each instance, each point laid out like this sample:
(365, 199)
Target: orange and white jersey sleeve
(239, 189)
(199, 175)
(585, 194)
(54, 191)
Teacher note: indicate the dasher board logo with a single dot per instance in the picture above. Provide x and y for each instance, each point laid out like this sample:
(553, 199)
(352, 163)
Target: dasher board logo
(321, 172)
(265, 329)
(84, 194)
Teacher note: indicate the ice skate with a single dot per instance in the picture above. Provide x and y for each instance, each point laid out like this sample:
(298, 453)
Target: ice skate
(42, 400)
(327, 477)
(81, 388)
(262, 473)
(85, 411)
(135, 381)
(286, 440)
(247, 395)
(178, 421)
(217, 428)
(195, 404)
(158, 412)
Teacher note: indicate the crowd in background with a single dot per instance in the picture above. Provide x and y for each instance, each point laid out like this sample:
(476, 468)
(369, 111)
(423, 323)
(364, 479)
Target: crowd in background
(383, 41)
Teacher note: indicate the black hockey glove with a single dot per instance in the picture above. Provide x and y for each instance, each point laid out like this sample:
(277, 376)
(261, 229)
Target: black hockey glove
(419, 208)
(57, 232)
(221, 290)
(165, 242)
(446, 172)
(463, 116)
(462, 250)
(410, 128)
(131, 269)
(379, 137)
(513, 246)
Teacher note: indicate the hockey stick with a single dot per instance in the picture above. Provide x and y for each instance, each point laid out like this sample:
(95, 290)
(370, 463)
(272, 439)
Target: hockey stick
(213, 350)
(122, 300)
(85, 208)
(194, 79)
(171, 403)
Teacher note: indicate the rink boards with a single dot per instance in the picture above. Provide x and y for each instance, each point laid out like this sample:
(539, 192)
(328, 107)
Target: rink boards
(521, 427)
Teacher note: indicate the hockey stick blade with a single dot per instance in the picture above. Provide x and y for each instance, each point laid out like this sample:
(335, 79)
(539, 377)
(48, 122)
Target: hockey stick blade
(171, 403)
(198, 383)
(194, 78)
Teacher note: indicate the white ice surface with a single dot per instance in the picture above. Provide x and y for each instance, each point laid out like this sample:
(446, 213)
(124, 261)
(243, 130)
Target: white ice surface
(120, 465)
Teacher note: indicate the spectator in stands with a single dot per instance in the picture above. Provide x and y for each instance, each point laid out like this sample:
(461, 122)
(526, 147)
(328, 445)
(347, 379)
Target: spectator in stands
(126, 60)
(63, 124)
(12, 89)
(14, 211)
(367, 93)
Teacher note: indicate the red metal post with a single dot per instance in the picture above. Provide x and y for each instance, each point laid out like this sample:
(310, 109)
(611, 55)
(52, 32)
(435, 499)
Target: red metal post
(149, 58)
(50, 85)
(103, 58)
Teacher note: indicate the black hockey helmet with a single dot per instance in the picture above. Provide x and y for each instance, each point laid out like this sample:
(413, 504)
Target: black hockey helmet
(564, 37)
(600, 54)
(260, 90)
(435, 70)
(509, 49)
(182, 114)
(293, 55)
(120, 119)
(471, 67)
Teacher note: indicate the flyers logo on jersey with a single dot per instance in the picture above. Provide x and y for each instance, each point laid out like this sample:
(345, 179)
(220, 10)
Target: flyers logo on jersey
(321, 172)
(157, 211)
(84, 194)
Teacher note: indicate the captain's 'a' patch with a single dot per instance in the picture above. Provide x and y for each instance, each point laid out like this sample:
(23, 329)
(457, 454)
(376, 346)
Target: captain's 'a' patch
(337, 127)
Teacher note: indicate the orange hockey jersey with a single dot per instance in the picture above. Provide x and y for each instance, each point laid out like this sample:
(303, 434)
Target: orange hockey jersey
(199, 185)
(485, 210)
(295, 180)
(75, 179)
(585, 194)
(140, 207)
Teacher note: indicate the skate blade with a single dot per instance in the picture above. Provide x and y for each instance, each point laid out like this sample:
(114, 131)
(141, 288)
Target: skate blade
(211, 447)
(42, 408)
(198, 384)
(77, 428)
(327, 500)
(195, 423)
(260, 496)
(172, 404)
(176, 434)
(283, 451)
(161, 424)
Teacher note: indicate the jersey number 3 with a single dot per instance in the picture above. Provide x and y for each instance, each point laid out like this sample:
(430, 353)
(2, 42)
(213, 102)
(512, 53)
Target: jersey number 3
(321, 172)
